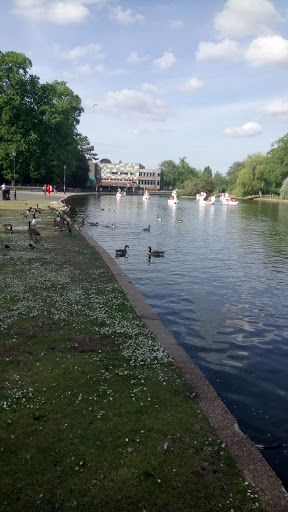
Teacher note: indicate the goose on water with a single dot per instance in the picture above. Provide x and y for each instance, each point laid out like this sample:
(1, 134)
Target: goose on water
(179, 220)
(111, 227)
(93, 223)
(157, 254)
(122, 252)
(159, 218)
(147, 229)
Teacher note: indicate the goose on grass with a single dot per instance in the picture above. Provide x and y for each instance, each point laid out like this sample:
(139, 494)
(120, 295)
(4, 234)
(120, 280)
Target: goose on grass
(32, 232)
(8, 227)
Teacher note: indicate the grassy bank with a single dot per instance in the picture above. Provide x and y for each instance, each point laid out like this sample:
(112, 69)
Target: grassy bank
(93, 414)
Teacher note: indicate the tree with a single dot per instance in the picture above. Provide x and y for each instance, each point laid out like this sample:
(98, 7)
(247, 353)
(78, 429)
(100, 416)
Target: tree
(284, 189)
(208, 170)
(277, 165)
(191, 187)
(86, 148)
(38, 120)
(252, 176)
(170, 170)
(220, 182)
(232, 175)
(80, 175)
(206, 183)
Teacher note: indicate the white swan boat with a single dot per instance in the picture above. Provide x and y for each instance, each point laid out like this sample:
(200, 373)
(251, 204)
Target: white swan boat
(146, 195)
(120, 193)
(201, 196)
(210, 200)
(224, 196)
(173, 198)
(229, 201)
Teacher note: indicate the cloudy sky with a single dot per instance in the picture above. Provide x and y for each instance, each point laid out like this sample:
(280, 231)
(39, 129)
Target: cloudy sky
(163, 79)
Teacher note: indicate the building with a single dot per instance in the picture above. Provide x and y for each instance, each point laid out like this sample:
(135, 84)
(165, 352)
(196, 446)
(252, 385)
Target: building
(132, 176)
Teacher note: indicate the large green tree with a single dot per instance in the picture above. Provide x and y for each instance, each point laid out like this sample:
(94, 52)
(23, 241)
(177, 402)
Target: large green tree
(252, 178)
(38, 120)
(232, 175)
(220, 182)
(277, 164)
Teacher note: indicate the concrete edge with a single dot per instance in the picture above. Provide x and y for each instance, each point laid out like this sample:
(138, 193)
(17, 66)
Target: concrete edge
(256, 470)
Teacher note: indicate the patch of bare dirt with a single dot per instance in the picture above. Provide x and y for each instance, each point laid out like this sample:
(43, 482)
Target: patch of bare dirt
(87, 343)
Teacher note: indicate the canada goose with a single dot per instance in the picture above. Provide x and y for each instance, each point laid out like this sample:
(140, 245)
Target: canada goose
(122, 252)
(7, 246)
(110, 210)
(147, 229)
(8, 227)
(157, 254)
(32, 231)
(37, 209)
(31, 245)
(68, 228)
(33, 221)
(93, 223)
(80, 223)
(27, 213)
(58, 221)
(111, 227)
(179, 220)
(159, 218)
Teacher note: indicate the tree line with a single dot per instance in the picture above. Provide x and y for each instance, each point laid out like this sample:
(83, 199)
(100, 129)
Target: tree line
(257, 174)
(39, 122)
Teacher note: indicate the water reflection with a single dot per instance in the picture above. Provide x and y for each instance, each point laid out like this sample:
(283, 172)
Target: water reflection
(221, 289)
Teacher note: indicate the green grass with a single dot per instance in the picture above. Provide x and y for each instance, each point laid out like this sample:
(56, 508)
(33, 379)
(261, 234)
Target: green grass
(93, 414)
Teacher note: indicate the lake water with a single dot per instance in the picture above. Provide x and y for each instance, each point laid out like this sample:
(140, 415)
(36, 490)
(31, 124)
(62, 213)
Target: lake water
(221, 289)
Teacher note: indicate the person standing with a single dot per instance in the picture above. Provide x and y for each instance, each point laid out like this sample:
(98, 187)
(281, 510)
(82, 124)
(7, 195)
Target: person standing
(44, 188)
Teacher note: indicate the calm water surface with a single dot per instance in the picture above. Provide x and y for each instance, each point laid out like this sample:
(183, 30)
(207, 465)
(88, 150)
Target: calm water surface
(221, 289)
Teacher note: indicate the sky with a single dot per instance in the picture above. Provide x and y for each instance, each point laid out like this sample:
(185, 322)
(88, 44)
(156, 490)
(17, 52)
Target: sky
(161, 80)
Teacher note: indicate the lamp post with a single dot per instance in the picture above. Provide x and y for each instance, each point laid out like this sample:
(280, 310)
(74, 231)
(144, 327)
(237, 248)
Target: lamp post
(64, 179)
(13, 156)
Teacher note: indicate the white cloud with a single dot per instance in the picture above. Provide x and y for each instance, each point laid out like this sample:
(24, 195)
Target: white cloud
(165, 61)
(241, 18)
(277, 108)
(150, 87)
(246, 130)
(226, 49)
(125, 17)
(269, 50)
(129, 103)
(91, 50)
(176, 24)
(191, 84)
(135, 58)
(65, 12)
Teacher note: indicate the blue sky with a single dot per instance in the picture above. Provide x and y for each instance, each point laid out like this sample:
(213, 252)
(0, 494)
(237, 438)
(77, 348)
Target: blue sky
(202, 79)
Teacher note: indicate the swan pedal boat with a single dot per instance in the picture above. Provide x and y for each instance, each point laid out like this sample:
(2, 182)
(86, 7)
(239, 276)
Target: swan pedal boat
(173, 198)
(201, 196)
(146, 195)
(120, 193)
(210, 200)
(229, 201)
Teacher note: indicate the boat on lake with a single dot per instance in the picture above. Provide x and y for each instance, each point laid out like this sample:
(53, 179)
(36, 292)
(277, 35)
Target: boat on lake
(229, 201)
(146, 195)
(120, 193)
(210, 200)
(173, 198)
